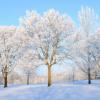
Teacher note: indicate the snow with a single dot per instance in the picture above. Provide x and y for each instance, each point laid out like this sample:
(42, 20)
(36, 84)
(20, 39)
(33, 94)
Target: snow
(62, 91)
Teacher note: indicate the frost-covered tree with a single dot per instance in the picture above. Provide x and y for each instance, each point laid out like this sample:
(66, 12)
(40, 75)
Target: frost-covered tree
(28, 63)
(8, 49)
(85, 49)
(85, 59)
(49, 33)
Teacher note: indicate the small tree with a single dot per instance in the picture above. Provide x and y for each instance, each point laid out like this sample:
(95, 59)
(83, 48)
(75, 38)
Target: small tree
(28, 63)
(28, 72)
(86, 61)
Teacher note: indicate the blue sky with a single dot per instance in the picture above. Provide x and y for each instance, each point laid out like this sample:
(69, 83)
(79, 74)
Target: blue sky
(11, 10)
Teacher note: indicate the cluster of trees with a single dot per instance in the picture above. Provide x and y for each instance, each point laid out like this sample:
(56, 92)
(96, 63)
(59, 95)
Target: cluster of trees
(49, 39)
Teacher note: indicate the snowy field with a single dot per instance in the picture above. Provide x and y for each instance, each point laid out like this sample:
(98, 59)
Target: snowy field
(62, 91)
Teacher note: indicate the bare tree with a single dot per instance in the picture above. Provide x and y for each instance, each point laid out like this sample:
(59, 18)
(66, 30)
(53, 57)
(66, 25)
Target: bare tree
(28, 72)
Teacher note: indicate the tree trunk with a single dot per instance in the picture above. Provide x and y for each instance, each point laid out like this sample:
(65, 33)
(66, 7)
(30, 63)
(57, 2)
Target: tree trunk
(28, 79)
(95, 74)
(73, 77)
(5, 79)
(89, 76)
(49, 75)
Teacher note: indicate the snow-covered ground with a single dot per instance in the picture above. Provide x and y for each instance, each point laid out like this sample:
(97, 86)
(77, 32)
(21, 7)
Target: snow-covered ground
(61, 91)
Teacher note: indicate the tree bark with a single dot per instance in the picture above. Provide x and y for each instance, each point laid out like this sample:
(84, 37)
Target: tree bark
(49, 75)
(5, 79)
